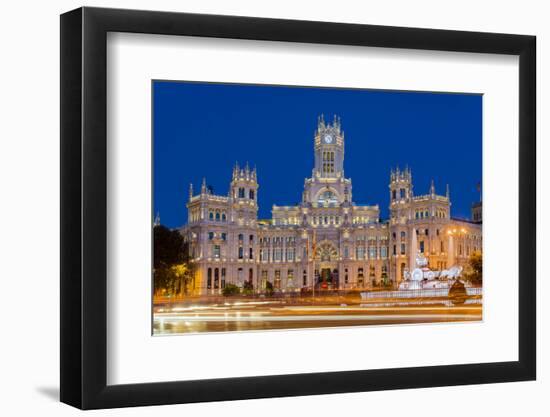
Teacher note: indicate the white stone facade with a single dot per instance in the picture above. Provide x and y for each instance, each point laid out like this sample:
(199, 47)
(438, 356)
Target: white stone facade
(327, 241)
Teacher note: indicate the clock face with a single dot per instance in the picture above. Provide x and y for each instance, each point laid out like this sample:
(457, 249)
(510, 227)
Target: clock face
(328, 139)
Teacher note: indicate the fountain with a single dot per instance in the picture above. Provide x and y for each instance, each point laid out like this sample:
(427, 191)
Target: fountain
(422, 277)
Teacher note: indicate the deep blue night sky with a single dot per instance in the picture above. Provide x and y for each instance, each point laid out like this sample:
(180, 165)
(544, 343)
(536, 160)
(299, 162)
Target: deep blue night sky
(201, 129)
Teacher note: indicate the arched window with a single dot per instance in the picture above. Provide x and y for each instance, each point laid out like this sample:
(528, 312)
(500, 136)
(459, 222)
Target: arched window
(224, 217)
(251, 194)
(211, 215)
(218, 216)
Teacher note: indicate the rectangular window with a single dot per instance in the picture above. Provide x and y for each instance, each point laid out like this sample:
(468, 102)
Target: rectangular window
(240, 252)
(372, 252)
(224, 236)
(402, 249)
(209, 279)
(421, 246)
(250, 253)
(290, 254)
(216, 251)
(277, 283)
(223, 278)
(394, 250)
(383, 252)
(210, 235)
(346, 252)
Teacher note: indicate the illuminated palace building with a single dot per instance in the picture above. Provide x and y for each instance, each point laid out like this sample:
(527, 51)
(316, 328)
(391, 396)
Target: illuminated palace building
(327, 240)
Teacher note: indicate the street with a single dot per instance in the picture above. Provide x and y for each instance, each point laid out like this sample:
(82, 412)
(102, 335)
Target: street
(241, 315)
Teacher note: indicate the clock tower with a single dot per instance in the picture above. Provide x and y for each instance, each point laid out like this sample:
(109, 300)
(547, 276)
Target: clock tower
(329, 150)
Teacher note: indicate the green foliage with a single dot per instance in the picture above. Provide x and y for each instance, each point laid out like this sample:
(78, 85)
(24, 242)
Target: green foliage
(474, 272)
(173, 271)
(269, 288)
(230, 289)
(248, 288)
(168, 247)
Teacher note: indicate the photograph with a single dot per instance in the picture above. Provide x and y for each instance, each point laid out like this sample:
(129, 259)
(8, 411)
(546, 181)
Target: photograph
(293, 207)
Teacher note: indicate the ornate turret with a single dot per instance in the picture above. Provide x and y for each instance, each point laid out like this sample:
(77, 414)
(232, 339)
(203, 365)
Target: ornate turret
(329, 149)
(244, 184)
(401, 187)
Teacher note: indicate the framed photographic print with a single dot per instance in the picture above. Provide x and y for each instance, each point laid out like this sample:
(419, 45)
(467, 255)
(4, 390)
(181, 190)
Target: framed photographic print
(291, 208)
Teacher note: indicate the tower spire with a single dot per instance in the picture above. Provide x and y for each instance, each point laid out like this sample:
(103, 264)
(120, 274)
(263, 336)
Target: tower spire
(432, 188)
(448, 193)
(190, 190)
(203, 186)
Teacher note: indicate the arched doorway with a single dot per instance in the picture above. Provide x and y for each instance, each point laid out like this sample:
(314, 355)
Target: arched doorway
(326, 265)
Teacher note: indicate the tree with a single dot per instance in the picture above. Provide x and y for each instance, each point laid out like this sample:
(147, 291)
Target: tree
(269, 288)
(168, 247)
(230, 289)
(474, 272)
(182, 276)
(248, 288)
(172, 267)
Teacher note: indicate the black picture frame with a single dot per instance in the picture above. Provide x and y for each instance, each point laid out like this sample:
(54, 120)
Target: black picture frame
(84, 207)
